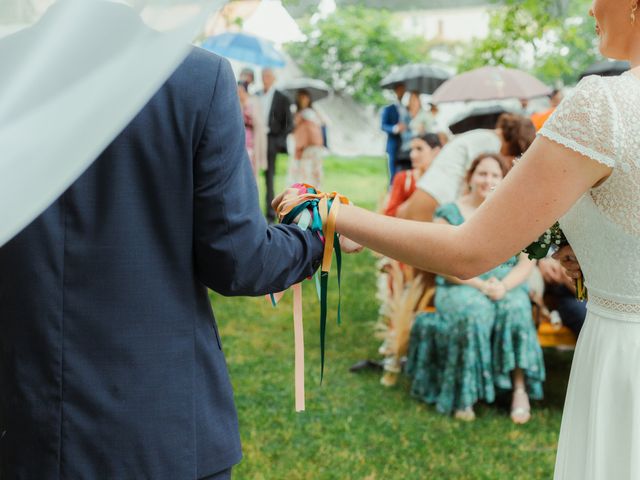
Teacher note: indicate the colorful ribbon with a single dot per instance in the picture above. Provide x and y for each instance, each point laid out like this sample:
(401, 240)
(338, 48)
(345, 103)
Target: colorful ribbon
(317, 211)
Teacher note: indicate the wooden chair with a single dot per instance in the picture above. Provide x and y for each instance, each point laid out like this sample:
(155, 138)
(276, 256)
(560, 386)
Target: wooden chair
(550, 333)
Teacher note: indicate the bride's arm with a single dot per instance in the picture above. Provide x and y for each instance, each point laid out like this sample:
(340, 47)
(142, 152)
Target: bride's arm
(547, 181)
(475, 282)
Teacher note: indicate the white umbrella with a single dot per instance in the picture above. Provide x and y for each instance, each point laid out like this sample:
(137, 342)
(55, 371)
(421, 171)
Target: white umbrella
(272, 22)
(490, 83)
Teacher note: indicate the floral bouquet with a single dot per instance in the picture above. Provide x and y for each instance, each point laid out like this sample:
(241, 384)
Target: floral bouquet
(555, 239)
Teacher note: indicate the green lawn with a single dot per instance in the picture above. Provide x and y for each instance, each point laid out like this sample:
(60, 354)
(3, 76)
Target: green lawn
(353, 427)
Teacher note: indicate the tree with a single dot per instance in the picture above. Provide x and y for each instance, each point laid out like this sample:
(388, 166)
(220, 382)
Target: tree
(554, 40)
(353, 49)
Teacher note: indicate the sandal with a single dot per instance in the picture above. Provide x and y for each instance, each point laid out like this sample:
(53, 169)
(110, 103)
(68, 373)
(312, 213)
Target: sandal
(520, 415)
(466, 415)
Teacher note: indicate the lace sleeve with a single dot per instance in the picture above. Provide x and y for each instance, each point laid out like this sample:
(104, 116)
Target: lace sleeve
(585, 122)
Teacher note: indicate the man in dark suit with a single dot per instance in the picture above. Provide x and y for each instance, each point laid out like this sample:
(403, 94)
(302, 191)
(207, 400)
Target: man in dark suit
(111, 365)
(279, 123)
(393, 126)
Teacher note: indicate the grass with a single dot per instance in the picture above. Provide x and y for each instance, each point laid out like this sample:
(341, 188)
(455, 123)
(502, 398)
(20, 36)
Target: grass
(354, 428)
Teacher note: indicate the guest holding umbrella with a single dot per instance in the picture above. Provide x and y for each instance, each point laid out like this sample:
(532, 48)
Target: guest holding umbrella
(418, 78)
(277, 114)
(306, 164)
(438, 125)
(421, 120)
(395, 119)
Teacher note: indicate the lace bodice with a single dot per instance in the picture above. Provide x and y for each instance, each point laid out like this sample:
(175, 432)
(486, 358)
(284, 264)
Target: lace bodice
(601, 120)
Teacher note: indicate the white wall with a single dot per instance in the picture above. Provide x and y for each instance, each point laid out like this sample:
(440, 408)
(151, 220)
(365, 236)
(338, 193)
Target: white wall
(456, 24)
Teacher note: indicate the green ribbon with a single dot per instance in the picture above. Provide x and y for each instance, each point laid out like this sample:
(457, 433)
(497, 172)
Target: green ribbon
(322, 286)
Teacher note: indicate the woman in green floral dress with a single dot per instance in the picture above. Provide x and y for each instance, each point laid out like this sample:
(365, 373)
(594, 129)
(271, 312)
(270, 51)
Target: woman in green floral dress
(482, 337)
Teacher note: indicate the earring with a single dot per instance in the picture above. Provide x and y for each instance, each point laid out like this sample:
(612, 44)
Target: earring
(633, 13)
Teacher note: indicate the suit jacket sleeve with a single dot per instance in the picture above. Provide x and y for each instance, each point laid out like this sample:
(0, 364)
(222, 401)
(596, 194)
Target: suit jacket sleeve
(282, 123)
(236, 253)
(389, 120)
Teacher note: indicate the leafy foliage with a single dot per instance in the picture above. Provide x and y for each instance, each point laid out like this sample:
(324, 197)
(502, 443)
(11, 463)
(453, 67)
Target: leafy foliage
(555, 41)
(353, 49)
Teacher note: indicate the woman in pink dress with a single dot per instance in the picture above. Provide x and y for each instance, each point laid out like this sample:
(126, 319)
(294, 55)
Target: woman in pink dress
(255, 137)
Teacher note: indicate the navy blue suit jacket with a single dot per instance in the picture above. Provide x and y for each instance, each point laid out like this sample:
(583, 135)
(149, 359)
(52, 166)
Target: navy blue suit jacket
(390, 118)
(111, 365)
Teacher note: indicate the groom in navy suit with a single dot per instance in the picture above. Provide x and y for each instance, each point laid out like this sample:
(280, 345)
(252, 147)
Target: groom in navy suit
(111, 365)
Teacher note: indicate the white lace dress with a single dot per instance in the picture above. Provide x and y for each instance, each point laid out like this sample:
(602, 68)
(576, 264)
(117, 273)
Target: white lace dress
(600, 433)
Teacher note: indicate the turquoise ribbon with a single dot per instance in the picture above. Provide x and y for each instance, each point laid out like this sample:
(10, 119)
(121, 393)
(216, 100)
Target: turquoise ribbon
(322, 286)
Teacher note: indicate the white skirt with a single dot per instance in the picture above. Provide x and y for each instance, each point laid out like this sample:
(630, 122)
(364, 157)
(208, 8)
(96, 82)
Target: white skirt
(600, 433)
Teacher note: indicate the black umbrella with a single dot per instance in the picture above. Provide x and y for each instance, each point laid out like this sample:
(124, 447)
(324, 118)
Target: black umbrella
(478, 117)
(417, 77)
(607, 68)
(317, 89)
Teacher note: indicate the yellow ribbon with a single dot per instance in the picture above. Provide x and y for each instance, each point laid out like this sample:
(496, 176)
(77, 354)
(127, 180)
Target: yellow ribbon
(328, 217)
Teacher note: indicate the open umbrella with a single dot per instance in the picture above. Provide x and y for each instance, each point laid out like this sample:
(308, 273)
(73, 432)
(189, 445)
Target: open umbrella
(606, 68)
(316, 88)
(272, 21)
(245, 48)
(490, 83)
(417, 77)
(477, 117)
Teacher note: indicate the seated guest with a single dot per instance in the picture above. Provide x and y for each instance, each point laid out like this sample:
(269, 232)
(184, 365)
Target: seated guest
(442, 183)
(487, 337)
(560, 294)
(424, 149)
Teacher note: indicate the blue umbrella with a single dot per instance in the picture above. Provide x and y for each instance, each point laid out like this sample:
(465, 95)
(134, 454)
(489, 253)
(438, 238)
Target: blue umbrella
(245, 48)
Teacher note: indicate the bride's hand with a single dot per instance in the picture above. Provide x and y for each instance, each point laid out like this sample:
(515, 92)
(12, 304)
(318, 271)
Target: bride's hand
(349, 246)
(569, 261)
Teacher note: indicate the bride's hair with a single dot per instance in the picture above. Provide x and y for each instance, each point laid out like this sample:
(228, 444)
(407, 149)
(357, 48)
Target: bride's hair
(518, 133)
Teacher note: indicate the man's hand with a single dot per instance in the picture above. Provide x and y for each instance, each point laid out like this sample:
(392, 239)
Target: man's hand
(288, 195)
(551, 271)
(569, 261)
